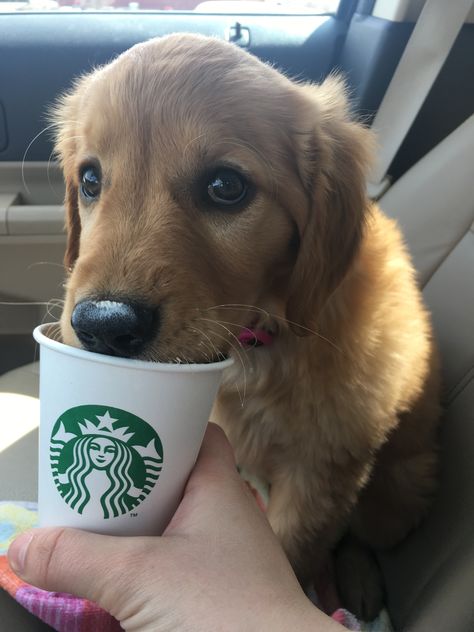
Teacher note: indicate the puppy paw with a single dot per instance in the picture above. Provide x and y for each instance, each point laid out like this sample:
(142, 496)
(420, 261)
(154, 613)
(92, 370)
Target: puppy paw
(359, 579)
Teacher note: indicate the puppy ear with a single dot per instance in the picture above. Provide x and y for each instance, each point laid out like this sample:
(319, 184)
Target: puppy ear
(333, 155)
(73, 225)
(64, 116)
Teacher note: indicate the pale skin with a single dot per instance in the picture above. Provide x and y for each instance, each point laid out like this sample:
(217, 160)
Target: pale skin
(218, 566)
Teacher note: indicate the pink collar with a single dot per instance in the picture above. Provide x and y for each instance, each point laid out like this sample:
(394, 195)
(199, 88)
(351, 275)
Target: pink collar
(252, 337)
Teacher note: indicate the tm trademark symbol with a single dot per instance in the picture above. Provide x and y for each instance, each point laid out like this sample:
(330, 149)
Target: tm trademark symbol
(133, 515)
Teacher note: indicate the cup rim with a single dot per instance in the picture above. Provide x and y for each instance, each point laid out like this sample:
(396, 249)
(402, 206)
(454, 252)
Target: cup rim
(144, 365)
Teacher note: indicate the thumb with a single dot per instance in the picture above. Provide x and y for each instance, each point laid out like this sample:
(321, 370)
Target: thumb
(88, 565)
(66, 560)
(216, 461)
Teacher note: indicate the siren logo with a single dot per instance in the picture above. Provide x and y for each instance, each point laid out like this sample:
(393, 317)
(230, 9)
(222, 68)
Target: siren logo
(105, 461)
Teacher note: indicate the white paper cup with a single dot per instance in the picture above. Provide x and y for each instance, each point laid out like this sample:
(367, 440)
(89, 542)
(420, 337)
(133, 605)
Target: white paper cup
(118, 437)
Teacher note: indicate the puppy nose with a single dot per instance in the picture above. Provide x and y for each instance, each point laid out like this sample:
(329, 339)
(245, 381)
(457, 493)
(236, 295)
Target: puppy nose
(114, 327)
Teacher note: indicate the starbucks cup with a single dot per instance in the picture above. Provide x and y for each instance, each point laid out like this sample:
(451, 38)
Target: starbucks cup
(118, 437)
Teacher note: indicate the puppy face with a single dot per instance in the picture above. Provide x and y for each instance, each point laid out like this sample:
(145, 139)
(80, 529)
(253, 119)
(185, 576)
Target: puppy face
(201, 183)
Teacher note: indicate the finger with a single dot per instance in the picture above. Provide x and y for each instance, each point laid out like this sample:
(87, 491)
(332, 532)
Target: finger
(216, 450)
(215, 463)
(214, 489)
(213, 480)
(66, 560)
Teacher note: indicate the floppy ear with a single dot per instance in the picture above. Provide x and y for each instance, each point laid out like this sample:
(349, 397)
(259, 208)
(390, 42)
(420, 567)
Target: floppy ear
(73, 225)
(64, 115)
(333, 154)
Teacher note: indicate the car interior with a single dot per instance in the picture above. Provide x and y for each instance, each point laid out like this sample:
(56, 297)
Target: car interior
(427, 185)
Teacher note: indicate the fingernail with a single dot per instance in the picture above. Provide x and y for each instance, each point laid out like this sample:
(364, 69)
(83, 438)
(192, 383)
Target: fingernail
(17, 552)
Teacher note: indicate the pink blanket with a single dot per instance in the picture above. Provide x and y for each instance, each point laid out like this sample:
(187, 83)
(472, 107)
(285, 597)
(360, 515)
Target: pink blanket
(66, 613)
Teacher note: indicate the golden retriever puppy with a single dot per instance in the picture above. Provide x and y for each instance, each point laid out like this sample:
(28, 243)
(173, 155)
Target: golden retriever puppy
(208, 195)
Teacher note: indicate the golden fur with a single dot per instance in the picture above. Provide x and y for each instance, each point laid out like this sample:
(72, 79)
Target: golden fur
(339, 415)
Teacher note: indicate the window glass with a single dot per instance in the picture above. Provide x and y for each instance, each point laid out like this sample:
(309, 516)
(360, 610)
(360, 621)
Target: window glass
(208, 6)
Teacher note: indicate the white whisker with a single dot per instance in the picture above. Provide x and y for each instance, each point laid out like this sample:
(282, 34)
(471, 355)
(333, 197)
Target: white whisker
(193, 140)
(241, 396)
(25, 303)
(48, 174)
(26, 152)
(45, 263)
(202, 333)
(238, 351)
(243, 307)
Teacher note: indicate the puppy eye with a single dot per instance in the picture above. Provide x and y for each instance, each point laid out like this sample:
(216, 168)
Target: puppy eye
(226, 187)
(90, 183)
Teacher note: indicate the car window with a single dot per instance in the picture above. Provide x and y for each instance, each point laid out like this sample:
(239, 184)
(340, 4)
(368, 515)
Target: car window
(209, 6)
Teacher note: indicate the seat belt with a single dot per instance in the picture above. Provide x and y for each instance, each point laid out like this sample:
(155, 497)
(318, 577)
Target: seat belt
(425, 53)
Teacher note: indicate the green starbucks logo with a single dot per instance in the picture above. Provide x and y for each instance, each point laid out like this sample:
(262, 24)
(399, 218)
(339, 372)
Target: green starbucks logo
(104, 460)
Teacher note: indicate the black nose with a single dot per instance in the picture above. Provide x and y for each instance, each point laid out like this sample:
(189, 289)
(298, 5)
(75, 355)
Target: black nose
(114, 327)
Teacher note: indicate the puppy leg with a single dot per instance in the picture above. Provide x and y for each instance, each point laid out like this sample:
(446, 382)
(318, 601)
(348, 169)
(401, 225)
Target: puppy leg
(394, 501)
(309, 516)
(403, 481)
(286, 514)
(359, 579)
(391, 505)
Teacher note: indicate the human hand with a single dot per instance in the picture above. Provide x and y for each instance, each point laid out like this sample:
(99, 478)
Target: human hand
(218, 566)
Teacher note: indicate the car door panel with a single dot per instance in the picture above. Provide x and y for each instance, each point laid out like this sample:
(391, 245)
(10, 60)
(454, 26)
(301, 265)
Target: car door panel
(47, 51)
(40, 55)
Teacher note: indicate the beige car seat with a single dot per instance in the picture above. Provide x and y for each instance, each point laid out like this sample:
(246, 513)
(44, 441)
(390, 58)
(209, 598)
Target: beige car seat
(430, 576)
